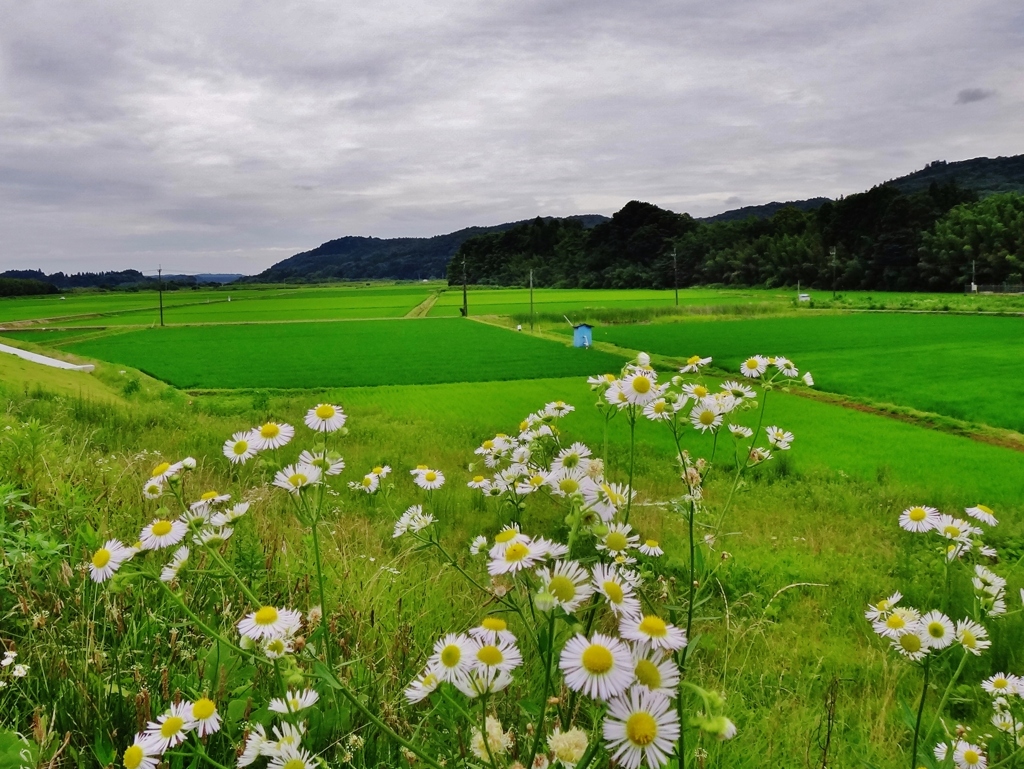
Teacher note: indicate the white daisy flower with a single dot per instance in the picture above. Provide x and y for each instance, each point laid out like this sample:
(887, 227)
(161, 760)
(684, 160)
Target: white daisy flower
(503, 655)
(269, 621)
(651, 548)
(600, 667)
(207, 501)
(575, 456)
(696, 391)
(296, 478)
(955, 528)
(641, 387)
(272, 435)
(413, 520)
(968, 756)
(518, 556)
(618, 539)
(919, 518)
(492, 630)
(738, 390)
(294, 701)
(987, 581)
(694, 364)
(606, 499)
(557, 409)
(937, 629)
(452, 657)
(706, 415)
(779, 438)
(205, 716)
(566, 482)
(108, 559)
(899, 620)
(754, 367)
(1002, 684)
(170, 572)
(276, 647)
(787, 367)
(568, 583)
(883, 608)
(293, 757)
(171, 729)
(983, 514)
(509, 535)
(912, 642)
(329, 463)
(972, 636)
(213, 536)
(479, 482)
(641, 727)
(153, 489)
(425, 683)
(162, 533)
(370, 483)
(286, 736)
(617, 591)
(655, 671)
(325, 418)
(230, 515)
(478, 544)
(429, 479)
(483, 681)
(652, 632)
(165, 471)
(808, 379)
(239, 448)
(658, 410)
(601, 382)
(740, 431)
(256, 744)
(143, 753)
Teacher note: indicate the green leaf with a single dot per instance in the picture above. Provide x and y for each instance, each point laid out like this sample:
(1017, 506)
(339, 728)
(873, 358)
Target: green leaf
(17, 752)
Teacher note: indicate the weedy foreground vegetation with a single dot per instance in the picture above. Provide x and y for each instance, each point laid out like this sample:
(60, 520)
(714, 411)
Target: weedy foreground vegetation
(629, 602)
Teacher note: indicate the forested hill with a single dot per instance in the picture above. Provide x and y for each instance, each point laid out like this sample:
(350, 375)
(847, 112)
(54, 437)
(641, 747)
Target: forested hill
(358, 258)
(883, 238)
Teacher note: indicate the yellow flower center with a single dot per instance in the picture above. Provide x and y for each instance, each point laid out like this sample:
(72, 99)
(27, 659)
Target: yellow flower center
(707, 418)
(651, 543)
(910, 642)
(161, 468)
(324, 411)
(162, 528)
(297, 479)
(654, 627)
(616, 540)
(562, 588)
(101, 558)
(936, 629)
(895, 622)
(568, 485)
(421, 467)
(490, 655)
(659, 407)
(597, 659)
(1000, 683)
(430, 476)
(752, 364)
(494, 623)
(270, 430)
(367, 480)
(517, 551)
(294, 763)
(203, 708)
(693, 360)
(378, 470)
(614, 591)
(984, 509)
(641, 384)
(450, 655)
(641, 728)
(951, 531)
(209, 495)
(971, 757)
(968, 639)
(266, 616)
(240, 447)
(700, 391)
(133, 757)
(917, 514)
(506, 535)
(171, 726)
(647, 674)
(478, 479)
(488, 445)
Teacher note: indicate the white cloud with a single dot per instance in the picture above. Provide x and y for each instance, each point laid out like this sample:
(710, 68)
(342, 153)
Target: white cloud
(224, 135)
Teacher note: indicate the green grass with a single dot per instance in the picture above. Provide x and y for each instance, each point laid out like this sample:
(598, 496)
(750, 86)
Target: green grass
(965, 367)
(303, 355)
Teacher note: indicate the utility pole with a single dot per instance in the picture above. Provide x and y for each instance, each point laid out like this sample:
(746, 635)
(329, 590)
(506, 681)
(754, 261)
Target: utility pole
(531, 301)
(160, 289)
(974, 277)
(465, 297)
(675, 273)
(835, 263)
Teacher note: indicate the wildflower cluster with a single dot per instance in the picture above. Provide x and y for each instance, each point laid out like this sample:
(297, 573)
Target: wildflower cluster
(924, 636)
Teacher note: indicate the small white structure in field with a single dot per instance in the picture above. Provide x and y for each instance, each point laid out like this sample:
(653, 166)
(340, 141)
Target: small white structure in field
(804, 297)
(519, 327)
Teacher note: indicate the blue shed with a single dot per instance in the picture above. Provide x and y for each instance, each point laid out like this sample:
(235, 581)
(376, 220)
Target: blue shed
(583, 335)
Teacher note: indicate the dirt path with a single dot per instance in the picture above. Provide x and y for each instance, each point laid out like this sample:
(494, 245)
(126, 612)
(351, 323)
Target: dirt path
(421, 310)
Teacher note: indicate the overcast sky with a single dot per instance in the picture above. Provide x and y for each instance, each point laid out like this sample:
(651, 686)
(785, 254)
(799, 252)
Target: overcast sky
(225, 136)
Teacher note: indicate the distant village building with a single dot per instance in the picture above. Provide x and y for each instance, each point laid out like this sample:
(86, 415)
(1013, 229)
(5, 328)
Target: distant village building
(583, 335)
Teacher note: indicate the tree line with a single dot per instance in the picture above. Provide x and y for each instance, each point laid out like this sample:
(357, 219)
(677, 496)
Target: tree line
(883, 239)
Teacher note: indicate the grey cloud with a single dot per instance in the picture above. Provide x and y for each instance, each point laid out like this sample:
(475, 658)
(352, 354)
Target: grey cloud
(222, 134)
(969, 95)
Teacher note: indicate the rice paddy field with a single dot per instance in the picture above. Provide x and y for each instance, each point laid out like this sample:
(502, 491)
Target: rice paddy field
(786, 556)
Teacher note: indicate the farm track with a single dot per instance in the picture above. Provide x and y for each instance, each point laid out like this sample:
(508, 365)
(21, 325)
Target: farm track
(423, 308)
(1007, 439)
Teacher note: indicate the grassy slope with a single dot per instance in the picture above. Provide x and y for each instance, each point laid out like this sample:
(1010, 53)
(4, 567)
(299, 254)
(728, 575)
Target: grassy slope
(333, 354)
(962, 366)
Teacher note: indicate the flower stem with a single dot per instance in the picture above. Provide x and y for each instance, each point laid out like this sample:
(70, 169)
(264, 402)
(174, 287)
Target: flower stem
(920, 711)
(945, 696)
(632, 455)
(538, 735)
